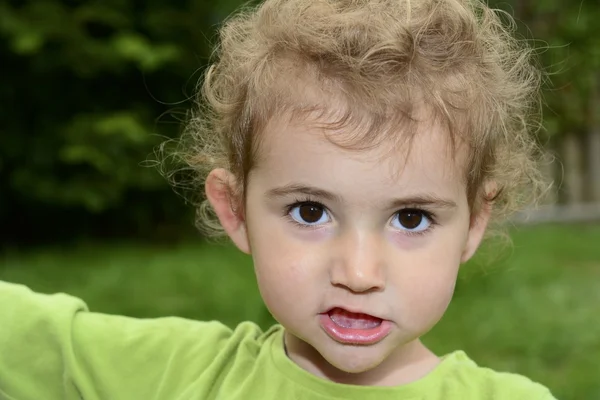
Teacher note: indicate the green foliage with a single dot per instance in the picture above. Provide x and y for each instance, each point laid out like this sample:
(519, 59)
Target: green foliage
(567, 35)
(88, 90)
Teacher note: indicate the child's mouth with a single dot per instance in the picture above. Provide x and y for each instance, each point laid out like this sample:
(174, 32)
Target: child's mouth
(346, 319)
(354, 328)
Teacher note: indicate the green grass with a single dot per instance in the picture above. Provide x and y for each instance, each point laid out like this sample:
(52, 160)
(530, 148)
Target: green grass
(535, 311)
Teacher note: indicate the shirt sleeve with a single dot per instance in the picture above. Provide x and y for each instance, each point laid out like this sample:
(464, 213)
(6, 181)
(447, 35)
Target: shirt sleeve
(53, 348)
(35, 344)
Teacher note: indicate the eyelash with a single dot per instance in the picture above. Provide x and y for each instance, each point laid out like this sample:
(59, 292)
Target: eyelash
(298, 202)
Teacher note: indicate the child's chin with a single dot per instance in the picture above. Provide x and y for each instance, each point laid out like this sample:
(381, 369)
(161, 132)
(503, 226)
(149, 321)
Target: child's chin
(354, 359)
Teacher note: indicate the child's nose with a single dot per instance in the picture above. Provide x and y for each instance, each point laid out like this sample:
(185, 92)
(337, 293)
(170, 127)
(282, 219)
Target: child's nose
(360, 263)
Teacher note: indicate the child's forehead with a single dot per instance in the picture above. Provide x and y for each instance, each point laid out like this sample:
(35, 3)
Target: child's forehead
(352, 124)
(322, 140)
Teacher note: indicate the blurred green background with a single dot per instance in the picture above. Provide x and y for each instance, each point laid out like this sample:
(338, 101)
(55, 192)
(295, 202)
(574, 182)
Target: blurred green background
(88, 90)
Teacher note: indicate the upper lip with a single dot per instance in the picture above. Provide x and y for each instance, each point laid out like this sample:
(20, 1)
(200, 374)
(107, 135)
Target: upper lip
(352, 310)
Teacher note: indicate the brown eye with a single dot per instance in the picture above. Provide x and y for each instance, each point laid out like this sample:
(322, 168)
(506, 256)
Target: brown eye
(411, 220)
(309, 214)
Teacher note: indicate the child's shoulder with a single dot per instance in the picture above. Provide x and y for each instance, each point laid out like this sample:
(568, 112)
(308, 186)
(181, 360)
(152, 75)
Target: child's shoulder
(473, 381)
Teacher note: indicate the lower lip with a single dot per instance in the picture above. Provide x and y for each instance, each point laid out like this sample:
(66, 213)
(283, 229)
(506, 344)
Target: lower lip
(355, 336)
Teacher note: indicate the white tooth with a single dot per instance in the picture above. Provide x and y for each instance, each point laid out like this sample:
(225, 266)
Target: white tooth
(346, 321)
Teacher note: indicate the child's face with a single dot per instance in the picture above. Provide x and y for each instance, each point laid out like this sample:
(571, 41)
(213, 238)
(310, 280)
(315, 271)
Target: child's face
(331, 230)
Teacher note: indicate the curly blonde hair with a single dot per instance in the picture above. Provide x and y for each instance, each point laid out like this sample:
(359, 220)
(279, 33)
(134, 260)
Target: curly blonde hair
(380, 58)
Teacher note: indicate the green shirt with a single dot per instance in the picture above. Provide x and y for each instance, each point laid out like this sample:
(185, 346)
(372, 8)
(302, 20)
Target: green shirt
(53, 348)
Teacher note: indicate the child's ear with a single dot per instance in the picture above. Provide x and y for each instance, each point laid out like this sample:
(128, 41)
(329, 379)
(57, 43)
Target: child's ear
(478, 225)
(221, 192)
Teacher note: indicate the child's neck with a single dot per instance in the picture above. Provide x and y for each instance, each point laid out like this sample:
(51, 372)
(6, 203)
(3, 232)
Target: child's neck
(405, 365)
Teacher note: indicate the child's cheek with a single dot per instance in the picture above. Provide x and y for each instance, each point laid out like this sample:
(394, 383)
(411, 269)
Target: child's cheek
(292, 255)
(290, 278)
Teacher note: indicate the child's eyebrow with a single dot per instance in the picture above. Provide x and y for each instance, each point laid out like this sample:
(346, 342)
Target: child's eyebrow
(293, 188)
(425, 199)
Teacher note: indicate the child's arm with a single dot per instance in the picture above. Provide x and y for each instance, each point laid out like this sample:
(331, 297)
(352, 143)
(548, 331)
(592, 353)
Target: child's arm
(52, 348)
(35, 344)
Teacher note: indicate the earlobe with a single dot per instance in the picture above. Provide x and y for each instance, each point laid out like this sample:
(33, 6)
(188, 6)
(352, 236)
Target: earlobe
(220, 190)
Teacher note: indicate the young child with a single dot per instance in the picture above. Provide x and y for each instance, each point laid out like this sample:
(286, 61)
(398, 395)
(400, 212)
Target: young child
(357, 150)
